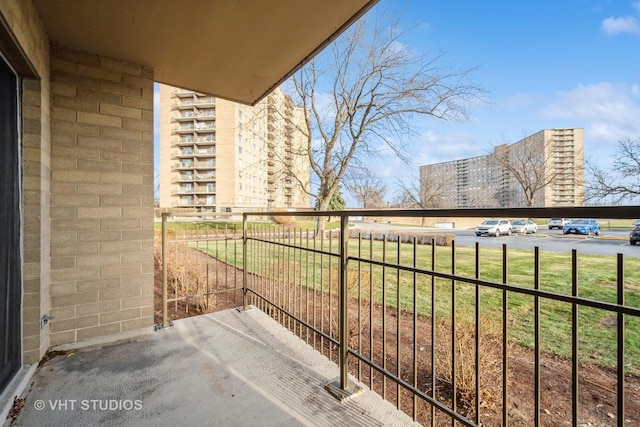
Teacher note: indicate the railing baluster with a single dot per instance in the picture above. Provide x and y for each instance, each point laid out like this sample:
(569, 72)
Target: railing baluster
(433, 331)
(330, 277)
(398, 336)
(620, 339)
(322, 295)
(306, 281)
(454, 382)
(415, 329)
(371, 297)
(315, 324)
(384, 315)
(477, 333)
(574, 339)
(536, 336)
(359, 306)
(505, 338)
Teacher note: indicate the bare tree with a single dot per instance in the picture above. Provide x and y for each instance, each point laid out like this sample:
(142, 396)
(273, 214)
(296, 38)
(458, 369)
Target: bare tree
(424, 192)
(156, 188)
(533, 165)
(620, 184)
(365, 187)
(362, 95)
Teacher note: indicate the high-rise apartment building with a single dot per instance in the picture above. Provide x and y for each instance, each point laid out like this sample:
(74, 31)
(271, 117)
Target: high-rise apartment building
(221, 156)
(551, 156)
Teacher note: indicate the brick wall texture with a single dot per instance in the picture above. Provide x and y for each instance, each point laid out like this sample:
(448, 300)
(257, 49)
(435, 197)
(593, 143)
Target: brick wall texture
(87, 190)
(101, 196)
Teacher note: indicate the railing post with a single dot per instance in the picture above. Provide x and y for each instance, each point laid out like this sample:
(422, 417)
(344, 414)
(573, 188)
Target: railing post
(244, 261)
(165, 322)
(342, 303)
(340, 389)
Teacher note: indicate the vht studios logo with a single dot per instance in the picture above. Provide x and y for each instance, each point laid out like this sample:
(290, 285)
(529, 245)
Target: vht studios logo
(88, 405)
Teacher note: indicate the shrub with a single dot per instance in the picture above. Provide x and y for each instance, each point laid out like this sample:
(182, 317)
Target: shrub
(465, 368)
(422, 238)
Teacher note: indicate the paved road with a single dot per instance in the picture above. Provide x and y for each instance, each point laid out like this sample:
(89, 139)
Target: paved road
(610, 242)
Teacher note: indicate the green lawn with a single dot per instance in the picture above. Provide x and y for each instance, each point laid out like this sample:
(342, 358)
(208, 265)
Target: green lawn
(596, 279)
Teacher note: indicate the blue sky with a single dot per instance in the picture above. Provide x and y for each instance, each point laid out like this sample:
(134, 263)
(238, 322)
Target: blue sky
(545, 64)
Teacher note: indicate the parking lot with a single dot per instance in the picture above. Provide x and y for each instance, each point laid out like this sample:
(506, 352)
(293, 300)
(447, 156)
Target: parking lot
(609, 242)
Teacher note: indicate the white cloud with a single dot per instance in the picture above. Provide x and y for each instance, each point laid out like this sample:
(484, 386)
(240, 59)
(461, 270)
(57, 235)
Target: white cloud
(624, 24)
(603, 105)
(608, 112)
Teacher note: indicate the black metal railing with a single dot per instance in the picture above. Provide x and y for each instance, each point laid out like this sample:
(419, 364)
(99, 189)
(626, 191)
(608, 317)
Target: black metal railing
(451, 334)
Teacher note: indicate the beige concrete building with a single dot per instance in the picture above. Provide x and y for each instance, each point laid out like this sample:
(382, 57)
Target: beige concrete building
(76, 151)
(222, 156)
(555, 156)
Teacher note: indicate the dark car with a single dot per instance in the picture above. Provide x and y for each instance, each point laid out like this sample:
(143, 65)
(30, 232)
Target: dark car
(634, 235)
(582, 226)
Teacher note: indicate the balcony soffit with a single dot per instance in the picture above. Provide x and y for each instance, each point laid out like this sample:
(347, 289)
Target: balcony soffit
(238, 50)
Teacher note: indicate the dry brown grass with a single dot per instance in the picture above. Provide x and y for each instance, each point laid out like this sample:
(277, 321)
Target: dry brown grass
(490, 363)
(187, 276)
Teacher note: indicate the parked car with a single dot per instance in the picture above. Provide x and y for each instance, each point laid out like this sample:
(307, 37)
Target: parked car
(494, 227)
(634, 235)
(558, 223)
(582, 226)
(524, 226)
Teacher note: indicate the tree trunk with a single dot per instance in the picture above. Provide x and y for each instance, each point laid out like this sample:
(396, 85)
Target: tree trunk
(321, 223)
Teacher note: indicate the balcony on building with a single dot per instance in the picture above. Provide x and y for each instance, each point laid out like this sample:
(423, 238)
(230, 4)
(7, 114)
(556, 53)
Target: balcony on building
(203, 177)
(205, 152)
(184, 129)
(205, 102)
(182, 178)
(182, 166)
(208, 164)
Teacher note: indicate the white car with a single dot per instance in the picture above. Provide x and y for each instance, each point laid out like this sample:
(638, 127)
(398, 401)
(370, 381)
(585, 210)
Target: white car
(558, 223)
(524, 226)
(494, 227)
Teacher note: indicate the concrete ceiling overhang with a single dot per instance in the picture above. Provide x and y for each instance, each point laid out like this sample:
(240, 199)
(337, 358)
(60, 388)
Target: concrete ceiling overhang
(239, 50)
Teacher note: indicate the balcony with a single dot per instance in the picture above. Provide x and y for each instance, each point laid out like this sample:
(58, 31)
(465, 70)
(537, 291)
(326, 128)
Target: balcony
(205, 177)
(205, 152)
(225, 368)
(204, 126)
(204, 190)
(205, 102)
(183, 129)
(184, 105)
(183, 192)
(205, 164)
(338, 292)
(205, 113)
(182, 166)
(182, 93)
(183, 118)
(484, 334)
(182, 143)
(182, 178)
(182, 154)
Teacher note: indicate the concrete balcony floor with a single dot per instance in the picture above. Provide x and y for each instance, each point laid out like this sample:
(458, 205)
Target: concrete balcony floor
(226, 368)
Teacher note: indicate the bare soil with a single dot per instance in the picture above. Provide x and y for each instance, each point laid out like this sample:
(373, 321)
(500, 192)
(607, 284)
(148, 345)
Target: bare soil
(597, 385)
